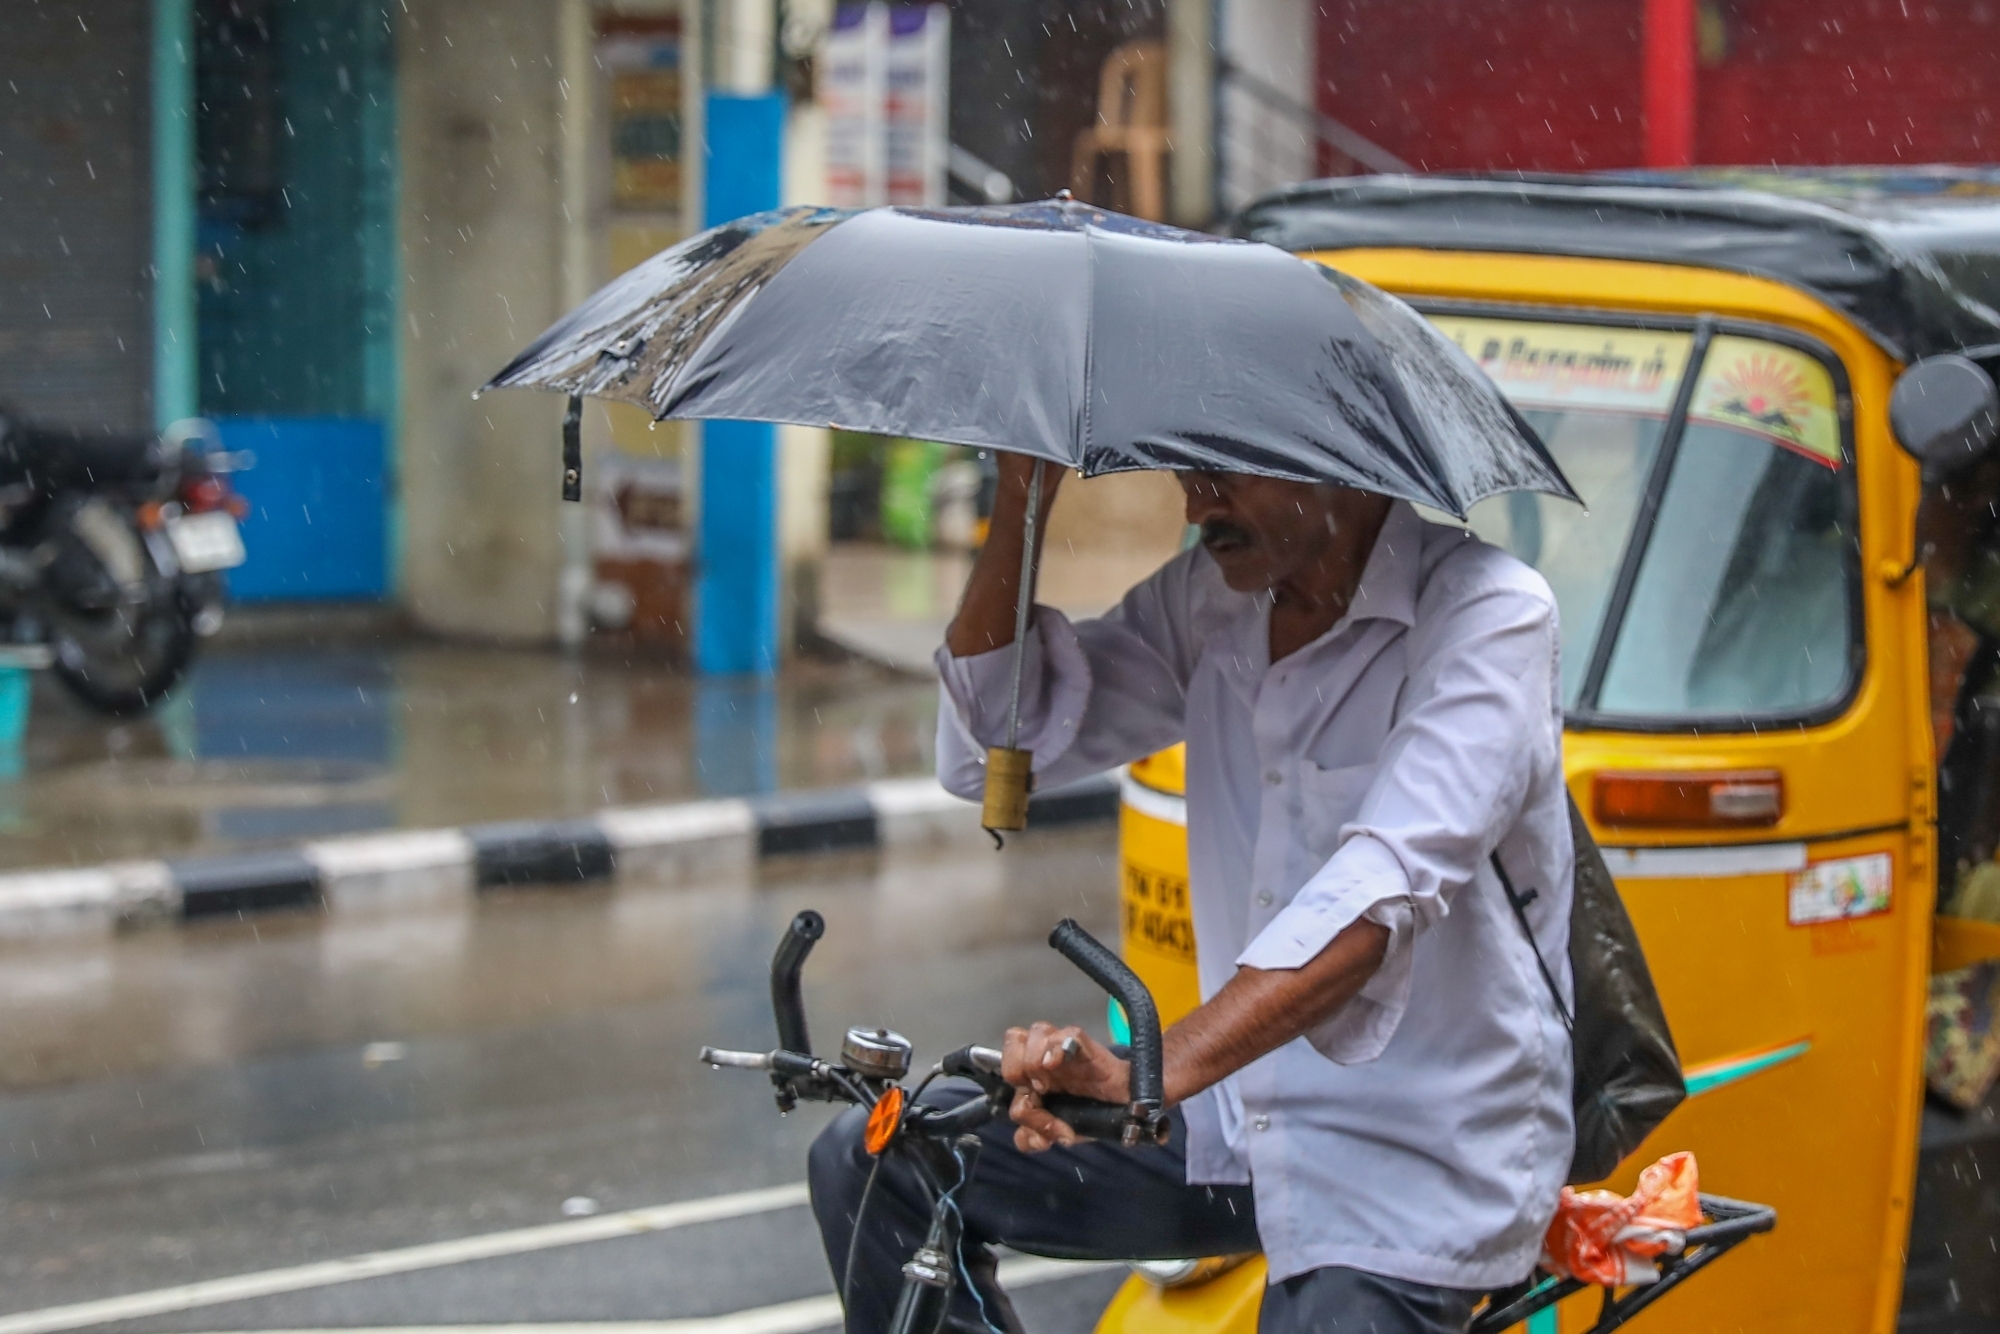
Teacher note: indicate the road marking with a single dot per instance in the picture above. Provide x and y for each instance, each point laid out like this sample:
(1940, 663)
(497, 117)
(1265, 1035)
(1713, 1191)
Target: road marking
(375, 1264)
(796, 1317)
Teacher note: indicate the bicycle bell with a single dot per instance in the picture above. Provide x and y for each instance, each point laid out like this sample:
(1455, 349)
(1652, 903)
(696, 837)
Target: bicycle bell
(876, 1052)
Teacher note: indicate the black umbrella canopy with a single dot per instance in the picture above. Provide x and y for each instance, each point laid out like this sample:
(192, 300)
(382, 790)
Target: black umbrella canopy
(1073, 334)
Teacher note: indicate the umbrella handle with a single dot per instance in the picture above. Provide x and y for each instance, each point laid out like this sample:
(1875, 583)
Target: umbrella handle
(1008, 777)
(1010, 770)
(572, 440)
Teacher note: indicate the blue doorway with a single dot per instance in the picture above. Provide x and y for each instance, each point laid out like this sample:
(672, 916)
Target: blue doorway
(297, 283)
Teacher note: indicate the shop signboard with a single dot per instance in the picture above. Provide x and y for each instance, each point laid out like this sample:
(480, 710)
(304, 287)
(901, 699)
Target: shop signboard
(884, 82)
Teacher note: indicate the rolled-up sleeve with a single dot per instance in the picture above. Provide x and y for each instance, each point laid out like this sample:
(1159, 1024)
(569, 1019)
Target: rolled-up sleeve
(1476, 726)
(1094, 693)
(977, 696)
(1363, 881)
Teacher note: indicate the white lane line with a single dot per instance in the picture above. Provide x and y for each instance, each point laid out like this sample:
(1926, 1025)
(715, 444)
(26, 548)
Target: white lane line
(375, 1264)
(799, 1317)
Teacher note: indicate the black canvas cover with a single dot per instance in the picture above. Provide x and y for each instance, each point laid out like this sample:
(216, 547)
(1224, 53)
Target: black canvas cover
(1912, 255)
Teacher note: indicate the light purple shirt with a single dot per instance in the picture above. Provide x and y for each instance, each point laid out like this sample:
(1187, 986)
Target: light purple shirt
(1424, 1131)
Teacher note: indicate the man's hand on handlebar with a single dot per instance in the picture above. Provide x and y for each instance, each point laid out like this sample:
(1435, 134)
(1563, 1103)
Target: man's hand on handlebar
(1043, 1059)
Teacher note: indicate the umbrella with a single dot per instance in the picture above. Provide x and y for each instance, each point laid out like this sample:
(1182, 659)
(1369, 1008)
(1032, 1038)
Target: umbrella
(1055, 329)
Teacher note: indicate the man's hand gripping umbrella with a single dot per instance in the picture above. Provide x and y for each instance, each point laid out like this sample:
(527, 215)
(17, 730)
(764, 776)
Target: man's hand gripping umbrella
(1009, 769)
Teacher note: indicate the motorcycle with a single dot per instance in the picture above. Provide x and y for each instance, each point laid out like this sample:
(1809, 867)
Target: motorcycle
(113, 551)
(874, 1062)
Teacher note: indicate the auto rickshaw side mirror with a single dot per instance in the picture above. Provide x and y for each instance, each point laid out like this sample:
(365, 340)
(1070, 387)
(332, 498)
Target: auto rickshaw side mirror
(1945, 413)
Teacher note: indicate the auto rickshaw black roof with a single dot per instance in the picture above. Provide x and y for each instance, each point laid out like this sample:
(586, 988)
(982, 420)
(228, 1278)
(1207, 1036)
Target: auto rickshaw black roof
(1912, 255)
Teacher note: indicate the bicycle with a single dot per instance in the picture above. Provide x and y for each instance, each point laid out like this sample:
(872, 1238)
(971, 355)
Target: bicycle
(941, 1144)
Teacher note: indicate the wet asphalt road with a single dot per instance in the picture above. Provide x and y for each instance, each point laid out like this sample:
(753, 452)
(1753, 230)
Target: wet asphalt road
(195, 1102)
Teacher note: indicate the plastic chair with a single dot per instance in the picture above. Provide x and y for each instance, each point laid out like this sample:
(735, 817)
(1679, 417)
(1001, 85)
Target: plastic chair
(1132, 120)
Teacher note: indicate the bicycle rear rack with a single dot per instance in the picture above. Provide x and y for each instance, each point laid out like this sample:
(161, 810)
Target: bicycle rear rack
(1734, 1221)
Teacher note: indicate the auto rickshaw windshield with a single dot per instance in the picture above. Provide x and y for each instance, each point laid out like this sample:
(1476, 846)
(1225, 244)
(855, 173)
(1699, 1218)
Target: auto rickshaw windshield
(1739, 600)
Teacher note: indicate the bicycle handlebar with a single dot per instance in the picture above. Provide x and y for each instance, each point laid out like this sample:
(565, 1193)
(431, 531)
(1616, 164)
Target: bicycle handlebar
(722, 1057)
(1109, 971)
(787, 1064)
(786, 1002)
(797, 1073)
(1090, 1118)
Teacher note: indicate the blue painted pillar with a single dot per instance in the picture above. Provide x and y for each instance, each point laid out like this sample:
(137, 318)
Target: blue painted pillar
(736, 589)
(175, 350)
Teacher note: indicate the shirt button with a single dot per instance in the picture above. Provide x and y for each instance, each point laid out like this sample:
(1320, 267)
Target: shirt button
(1263, 898)
(1262, 1123)
(1274, 778)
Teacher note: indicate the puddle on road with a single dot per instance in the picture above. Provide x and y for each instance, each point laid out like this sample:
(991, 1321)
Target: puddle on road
(274, 745)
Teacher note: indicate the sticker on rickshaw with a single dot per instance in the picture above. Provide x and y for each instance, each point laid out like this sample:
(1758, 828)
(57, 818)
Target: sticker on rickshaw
(1760, 388)
(1551, 365)
(1846, 887)
(1769, 390)
(1157, 913)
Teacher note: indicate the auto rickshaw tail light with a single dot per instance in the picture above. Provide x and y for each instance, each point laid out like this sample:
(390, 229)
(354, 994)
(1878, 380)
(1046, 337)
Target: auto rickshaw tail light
(1727, 799)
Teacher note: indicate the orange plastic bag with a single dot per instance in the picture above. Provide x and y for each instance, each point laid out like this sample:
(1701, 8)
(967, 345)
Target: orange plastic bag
(1601, 1237)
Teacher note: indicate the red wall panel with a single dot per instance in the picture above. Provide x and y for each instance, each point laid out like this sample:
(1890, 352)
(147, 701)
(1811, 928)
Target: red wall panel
(1524, 84)
(1540, 86)
(1867, 81)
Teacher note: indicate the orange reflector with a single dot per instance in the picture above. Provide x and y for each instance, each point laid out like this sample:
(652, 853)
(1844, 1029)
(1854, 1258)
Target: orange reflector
(883, 1118)
(1731, 798)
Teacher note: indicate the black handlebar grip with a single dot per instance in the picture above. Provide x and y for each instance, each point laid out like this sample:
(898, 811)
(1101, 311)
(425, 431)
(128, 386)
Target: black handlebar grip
(786, 1002)
(1109, 971)
(1087, 1116)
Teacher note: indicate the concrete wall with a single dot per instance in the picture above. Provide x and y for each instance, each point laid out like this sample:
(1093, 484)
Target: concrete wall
(1271, 40)
(1109, 533)
(1191, 109)
(482, 243)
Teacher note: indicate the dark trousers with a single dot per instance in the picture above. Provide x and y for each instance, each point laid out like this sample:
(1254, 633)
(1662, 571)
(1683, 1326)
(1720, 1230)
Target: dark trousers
(1093, 1202)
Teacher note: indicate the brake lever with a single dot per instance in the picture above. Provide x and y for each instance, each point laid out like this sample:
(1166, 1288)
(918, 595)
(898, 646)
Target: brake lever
(979, 1064)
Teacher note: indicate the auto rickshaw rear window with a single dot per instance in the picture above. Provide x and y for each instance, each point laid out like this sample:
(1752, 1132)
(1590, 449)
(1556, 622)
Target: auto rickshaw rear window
(1743, 595)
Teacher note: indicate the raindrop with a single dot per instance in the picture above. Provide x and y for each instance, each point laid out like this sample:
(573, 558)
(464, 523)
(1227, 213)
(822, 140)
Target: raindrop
(572, 697)
(579, 1206)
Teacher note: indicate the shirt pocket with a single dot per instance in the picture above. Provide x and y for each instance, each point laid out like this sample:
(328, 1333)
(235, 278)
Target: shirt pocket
(1328, 800)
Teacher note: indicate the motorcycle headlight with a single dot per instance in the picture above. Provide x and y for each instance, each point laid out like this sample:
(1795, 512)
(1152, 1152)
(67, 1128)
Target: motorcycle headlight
(1182, 1273)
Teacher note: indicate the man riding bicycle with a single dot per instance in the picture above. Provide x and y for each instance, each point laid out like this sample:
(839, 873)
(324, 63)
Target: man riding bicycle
(1375, 1091)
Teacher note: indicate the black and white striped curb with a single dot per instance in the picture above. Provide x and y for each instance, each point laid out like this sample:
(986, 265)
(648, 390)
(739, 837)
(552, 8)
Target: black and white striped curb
(415, 867)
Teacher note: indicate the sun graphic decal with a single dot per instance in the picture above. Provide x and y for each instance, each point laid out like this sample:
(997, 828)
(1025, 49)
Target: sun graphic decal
(1765, 392)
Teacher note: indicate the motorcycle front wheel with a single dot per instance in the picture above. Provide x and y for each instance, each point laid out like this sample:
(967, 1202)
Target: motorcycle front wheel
(121, 660)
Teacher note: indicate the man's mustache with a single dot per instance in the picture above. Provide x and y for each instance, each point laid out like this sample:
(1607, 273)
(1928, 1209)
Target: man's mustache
(1223, 532)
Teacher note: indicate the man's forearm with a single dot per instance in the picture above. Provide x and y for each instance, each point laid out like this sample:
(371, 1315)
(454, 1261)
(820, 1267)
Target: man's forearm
(1260, 1010)
(985, 619)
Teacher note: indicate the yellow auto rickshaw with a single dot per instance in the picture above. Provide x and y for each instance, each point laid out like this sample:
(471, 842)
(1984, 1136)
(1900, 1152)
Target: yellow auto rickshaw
(1755, 731)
